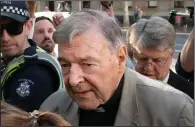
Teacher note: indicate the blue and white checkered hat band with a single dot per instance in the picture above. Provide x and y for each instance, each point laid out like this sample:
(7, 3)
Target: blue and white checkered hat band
(14, 10)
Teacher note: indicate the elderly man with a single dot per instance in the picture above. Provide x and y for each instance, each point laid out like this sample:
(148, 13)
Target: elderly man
(153, 44)
(100, 89)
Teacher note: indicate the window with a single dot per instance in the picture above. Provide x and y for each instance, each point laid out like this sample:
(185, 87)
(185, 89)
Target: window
(179, 4)
(129, 4)
(68, 5)
(152, 4)
(86, 4)
(51, 5)
(64, 6)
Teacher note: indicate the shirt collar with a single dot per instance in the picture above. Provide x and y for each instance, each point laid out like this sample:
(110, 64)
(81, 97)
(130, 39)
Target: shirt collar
(166, 79)
(113, 102)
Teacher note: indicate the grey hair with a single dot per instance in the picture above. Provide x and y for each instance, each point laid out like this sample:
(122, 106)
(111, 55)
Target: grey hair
(80, 22)
(154, 33)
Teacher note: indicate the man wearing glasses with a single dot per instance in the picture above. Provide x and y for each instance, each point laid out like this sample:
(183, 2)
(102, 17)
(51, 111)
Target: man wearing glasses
(153, 45)
(31, 75)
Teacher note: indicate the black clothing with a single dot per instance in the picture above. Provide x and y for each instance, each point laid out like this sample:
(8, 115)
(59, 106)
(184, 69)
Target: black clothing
(105, 114)
(181, 84)
(31, 84)
(180, 71)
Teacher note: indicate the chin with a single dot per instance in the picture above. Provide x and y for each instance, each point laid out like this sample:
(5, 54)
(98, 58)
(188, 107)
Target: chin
(87, 105)
(152, 77)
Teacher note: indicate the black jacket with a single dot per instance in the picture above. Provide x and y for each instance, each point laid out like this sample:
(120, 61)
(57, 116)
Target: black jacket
(180, 71)
(30, 85)
(181, 84)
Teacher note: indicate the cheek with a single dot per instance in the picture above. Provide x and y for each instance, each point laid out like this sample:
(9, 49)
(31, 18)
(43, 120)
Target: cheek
(161, 72)
(102, 86)
(51, 36)
(106, 80)
(19, 43)
(65, 77)
(38, 38)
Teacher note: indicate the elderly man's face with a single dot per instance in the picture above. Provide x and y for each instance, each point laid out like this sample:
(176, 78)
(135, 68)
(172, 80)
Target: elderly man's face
(152, 63)
(91, 72)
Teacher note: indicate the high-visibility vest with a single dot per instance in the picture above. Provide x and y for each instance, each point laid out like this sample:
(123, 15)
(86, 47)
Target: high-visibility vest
(41, 56)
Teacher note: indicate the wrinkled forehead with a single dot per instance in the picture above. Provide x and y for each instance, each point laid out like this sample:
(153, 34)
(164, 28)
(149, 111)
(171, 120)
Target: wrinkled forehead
(149, 52)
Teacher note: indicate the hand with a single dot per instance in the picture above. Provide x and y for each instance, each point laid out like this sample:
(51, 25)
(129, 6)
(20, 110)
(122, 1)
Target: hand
(58, 19)
(32, 7)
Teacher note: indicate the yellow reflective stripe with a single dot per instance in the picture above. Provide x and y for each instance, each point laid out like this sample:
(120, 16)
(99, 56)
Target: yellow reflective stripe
(12, 67)
(2, 97)
(17, 61)
(7, 76)
(40, 49)
(60, 81)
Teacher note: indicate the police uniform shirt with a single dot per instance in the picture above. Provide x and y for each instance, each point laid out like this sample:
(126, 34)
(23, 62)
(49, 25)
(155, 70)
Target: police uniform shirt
(28, 87)
(105, 114)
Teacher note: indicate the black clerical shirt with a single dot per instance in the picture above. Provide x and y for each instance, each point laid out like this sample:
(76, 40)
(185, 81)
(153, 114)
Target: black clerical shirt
(105, 114)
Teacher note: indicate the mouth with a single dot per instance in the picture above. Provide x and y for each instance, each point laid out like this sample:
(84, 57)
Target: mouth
(6, 47)
(82, 94)
(47, 41)
(149, 75)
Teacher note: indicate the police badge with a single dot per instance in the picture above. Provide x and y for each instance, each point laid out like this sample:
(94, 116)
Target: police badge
(24, 89)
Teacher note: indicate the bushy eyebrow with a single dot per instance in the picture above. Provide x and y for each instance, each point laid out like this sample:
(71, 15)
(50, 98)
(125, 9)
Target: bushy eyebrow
(62, 59)
(87, 58)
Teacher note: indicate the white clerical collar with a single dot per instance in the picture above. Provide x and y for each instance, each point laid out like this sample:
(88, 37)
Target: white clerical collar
(166, 79)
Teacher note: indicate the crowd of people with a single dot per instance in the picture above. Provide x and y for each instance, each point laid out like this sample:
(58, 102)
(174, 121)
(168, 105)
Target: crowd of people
(98, 78)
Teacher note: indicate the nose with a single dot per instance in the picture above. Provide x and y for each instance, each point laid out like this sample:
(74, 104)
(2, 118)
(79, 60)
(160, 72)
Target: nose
(149, 67)
(5, 36)
(46, 34)
(75, 75)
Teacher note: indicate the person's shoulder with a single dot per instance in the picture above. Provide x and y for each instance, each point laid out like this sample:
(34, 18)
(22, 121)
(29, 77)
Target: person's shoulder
(58, 101)
(38, 69)
(154, 96)
(179, 79)
(151, 86)
(144, 81)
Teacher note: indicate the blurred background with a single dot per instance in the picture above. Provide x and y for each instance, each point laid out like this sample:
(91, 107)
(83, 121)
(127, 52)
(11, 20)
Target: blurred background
(125, 10)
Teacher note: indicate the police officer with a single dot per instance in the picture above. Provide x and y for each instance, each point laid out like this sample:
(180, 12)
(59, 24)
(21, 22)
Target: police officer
(31, 75)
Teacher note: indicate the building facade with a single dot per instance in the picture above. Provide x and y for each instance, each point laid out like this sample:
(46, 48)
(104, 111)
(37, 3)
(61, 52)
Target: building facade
(124, 9)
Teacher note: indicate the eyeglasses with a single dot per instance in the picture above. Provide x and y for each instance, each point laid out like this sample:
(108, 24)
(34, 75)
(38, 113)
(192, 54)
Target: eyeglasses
(141, 62)
(13, 29)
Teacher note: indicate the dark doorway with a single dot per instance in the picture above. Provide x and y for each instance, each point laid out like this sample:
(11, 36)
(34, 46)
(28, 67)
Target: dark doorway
(51, 5)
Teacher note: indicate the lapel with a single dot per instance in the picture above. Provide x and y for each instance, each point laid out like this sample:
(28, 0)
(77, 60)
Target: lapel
(171, 80)
(72, 114)
(127, 114)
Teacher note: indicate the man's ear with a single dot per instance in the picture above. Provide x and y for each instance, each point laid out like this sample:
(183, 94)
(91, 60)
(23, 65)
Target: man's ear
(31, 32)
(29, 25)
(122, 55)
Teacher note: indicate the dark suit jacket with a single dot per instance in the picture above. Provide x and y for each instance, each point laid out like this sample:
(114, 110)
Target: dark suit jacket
(144, 102)
(181, 84)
